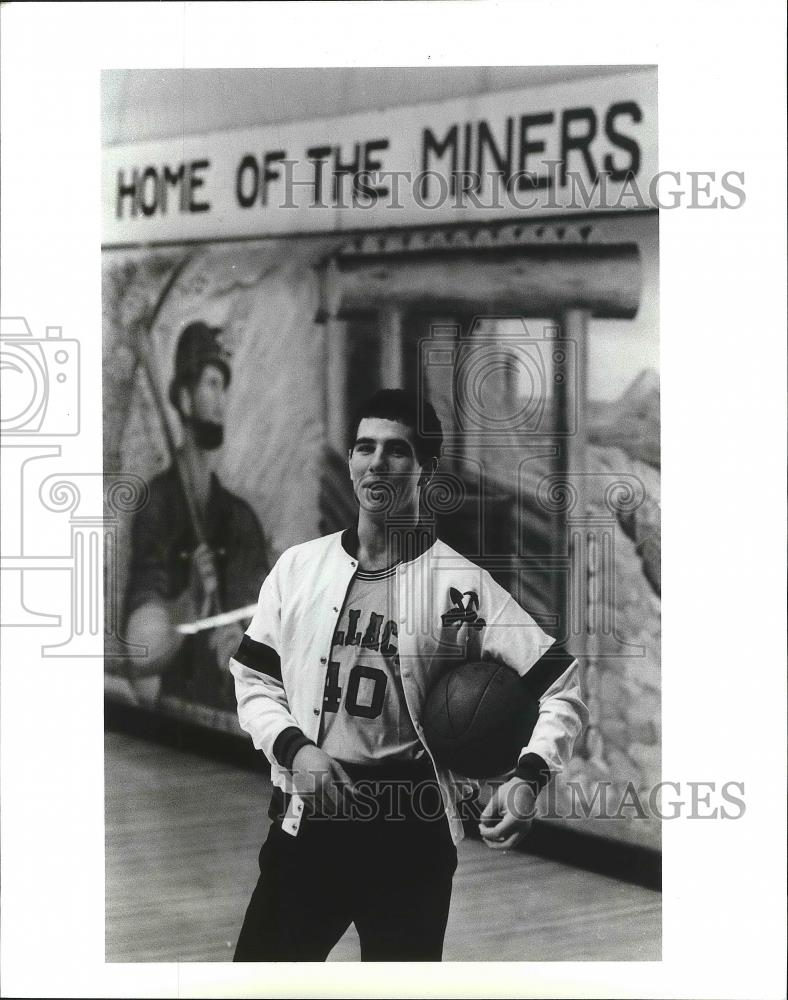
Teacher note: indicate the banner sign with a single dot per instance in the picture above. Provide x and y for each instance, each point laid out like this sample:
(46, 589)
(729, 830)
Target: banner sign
(581, 146)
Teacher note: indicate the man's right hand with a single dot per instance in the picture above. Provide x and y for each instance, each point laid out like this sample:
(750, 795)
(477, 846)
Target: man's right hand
(204, 565)
(320, 780)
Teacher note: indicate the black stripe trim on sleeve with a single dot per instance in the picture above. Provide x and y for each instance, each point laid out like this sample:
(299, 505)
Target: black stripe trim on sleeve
(257, 656)
(546, 671)
(287, 744)
(532, 768)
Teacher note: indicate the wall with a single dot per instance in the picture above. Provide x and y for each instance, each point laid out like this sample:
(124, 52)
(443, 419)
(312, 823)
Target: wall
(154, 104)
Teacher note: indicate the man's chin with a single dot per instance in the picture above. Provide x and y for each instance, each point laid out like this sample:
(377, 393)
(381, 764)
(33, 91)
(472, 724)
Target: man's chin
(378, 508)
(374, 503)
(382, 508)
(208, 435)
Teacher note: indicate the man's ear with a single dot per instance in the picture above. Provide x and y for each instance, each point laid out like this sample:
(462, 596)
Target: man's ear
(428, 472)
(349, 456)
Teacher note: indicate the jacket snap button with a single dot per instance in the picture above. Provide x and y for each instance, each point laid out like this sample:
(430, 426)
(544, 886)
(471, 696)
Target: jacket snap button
(322, 659)
(316, 711)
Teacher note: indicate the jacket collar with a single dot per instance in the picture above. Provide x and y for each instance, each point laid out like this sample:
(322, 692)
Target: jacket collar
(416, 541)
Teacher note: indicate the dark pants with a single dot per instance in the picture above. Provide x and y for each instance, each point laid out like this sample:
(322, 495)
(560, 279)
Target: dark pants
(387, 868)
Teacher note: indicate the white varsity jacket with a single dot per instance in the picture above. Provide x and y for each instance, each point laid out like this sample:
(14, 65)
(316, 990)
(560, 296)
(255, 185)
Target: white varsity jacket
(450, 610)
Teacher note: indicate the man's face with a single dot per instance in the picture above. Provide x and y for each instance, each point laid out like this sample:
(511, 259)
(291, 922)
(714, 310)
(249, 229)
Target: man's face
(383, 466)
(208, 396)
(202, 408)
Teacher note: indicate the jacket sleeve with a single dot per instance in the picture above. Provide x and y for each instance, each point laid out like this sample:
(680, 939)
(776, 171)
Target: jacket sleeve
(551, 675)
(562, 716)
(263, 709)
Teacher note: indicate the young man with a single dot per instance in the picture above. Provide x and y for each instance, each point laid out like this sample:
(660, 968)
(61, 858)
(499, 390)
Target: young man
(173, 579)
(331, 678)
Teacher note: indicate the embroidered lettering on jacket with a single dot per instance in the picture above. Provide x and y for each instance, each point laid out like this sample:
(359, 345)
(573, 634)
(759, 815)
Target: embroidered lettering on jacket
(463, 613)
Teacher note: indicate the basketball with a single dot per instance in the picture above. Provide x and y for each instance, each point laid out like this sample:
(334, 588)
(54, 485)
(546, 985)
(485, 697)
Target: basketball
(478, 717)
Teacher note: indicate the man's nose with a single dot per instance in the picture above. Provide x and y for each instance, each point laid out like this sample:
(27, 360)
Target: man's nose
(378, 461)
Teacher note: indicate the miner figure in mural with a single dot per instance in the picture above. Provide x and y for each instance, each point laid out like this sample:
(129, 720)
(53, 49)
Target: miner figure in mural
(197, 549)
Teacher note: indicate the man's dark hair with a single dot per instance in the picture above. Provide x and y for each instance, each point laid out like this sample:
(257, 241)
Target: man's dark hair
(410, 409)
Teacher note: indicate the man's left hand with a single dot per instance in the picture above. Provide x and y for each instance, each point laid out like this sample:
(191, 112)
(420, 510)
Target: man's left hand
(508, 815)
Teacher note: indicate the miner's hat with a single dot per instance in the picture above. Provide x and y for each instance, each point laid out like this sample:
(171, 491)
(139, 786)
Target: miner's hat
(198, 346)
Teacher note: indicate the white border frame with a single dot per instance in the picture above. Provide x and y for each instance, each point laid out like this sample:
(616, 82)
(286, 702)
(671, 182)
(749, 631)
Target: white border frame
(721, 100)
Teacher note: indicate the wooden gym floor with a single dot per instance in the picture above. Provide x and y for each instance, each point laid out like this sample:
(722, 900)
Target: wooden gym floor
(182, 837)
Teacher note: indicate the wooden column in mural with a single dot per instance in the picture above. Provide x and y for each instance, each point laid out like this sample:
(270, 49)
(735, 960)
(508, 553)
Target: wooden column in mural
(392, 348)
(571, 405)
(336, 366)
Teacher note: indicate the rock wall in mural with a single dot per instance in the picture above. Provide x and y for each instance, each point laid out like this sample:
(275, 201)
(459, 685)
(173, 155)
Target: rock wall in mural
(622, 676)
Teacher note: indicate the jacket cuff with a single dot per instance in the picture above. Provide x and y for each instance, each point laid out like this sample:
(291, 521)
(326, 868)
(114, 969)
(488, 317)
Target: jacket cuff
(287, 744)
(534, 770)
